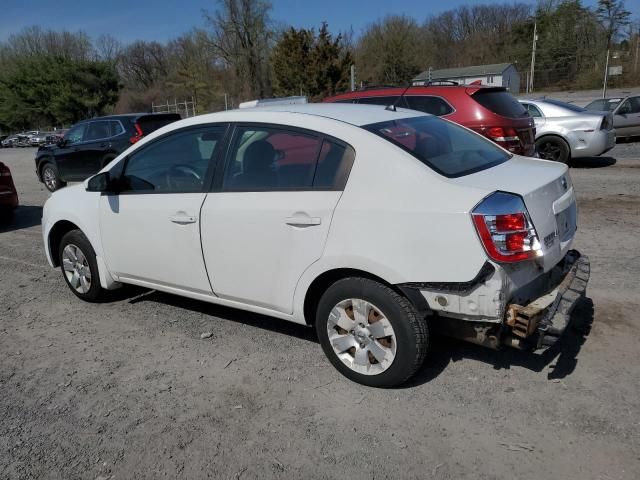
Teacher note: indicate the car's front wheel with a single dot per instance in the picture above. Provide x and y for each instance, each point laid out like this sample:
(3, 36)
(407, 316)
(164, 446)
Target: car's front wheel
(50, 178)
(80, 268)
(370, 333)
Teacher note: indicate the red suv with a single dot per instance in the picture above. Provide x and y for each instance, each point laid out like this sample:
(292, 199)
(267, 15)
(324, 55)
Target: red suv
(490, 111)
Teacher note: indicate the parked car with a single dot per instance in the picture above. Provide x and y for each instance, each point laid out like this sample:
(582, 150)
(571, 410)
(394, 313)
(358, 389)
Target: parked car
(8, 193)
(375, 226)
(91, 144)
(626, 114)
(490, 111)
(22, 141)
(42, 138)
(10, 141)
(2, 139)
(565, 131)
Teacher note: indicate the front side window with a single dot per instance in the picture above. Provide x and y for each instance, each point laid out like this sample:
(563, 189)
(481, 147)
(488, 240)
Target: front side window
(445, 147)
(176, 163)
(75, 134)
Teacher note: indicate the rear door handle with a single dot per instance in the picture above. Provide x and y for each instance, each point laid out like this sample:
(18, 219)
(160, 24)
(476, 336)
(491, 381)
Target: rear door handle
(183, 219)
(303, 221)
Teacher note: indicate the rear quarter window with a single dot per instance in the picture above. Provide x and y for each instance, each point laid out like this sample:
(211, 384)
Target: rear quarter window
(500, 102)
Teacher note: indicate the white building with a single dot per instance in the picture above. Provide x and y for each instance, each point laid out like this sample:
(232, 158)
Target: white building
(496, 75)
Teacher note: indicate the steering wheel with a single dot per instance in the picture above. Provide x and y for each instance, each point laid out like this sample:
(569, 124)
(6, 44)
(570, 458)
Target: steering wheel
(182, 170)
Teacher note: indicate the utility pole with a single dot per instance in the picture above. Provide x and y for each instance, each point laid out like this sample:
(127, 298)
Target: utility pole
(606, 73)
(353, 78)
(533, 58)
(635, 63)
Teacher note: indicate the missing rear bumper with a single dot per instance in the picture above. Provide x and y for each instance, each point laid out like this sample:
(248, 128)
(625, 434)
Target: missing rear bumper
(540, 323)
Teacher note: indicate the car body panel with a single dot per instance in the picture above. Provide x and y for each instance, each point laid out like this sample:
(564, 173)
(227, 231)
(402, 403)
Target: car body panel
(8, 192)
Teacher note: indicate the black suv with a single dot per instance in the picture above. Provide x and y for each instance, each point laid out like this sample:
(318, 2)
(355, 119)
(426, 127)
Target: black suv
(91, 144)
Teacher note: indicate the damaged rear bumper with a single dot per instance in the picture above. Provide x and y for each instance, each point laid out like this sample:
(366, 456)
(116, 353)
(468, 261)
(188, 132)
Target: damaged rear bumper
(542, 321)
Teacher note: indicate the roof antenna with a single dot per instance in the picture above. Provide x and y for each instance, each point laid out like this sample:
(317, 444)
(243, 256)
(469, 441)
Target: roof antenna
(392, 107)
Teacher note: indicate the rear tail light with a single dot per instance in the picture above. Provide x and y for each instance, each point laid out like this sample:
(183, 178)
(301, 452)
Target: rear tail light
(505, 228)
(138, 136)
(506, 137)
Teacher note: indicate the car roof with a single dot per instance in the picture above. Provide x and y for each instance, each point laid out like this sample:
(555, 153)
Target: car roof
(357, 115)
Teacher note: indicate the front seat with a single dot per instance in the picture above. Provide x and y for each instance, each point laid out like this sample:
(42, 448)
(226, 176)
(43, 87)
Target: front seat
(257, 167)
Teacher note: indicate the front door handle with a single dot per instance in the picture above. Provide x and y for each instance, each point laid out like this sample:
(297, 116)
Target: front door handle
(303, 221)
(183, 219)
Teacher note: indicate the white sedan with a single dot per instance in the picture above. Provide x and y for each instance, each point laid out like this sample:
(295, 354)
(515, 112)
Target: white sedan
(374, 225)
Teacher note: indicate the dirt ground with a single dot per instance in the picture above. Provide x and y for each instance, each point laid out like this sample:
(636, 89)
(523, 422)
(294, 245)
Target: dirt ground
(128, 389)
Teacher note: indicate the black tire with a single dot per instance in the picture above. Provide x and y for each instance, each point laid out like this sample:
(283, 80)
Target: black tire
(55, 183)
(410, 330)
(77, 239)
(553, 148)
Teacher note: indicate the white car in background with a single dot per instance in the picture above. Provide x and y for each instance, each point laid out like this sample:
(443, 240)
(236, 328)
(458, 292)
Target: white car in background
(374, 225)
(565, 131)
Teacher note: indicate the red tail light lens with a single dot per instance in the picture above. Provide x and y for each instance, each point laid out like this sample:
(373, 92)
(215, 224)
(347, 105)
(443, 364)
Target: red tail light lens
(506, 137)
(138, 136)
(505, 229)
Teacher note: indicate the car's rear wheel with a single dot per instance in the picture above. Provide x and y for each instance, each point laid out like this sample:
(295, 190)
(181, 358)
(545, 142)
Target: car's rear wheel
(79, 267)
(50, 177)
(553, 148)
(370, 333)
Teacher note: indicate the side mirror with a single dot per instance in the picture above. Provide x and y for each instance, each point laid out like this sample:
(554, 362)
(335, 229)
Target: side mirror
(101, 182)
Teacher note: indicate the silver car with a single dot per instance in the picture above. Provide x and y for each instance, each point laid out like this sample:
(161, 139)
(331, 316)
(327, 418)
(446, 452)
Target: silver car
(625, 111)
(565, 131)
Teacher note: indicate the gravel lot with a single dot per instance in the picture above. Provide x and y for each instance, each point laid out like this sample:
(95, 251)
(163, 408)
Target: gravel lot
(128, 389)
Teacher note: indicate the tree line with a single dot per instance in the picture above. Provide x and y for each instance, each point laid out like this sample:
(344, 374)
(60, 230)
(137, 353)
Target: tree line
(240, 52)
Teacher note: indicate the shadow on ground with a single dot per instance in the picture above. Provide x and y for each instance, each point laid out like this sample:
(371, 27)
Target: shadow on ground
(593, 162)
(561, 357)
(25, 216)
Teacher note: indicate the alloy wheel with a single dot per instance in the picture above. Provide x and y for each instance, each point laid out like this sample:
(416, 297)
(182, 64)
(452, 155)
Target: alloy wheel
(76, 268)
(361, 336)
(49, 177)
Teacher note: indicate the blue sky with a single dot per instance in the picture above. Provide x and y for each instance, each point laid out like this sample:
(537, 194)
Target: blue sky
(160, 20)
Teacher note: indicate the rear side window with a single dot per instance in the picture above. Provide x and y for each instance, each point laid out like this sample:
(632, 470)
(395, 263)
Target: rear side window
(390, 100)
(272, 159)
(428, 104)
(116, 128)
(500, 102)
(533, 110)
(98, 130)
(447, 148)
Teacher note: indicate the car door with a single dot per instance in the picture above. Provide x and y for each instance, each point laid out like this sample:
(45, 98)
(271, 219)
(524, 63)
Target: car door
(150, 229)
(626, 118)
(68, 156)
(95, 144)
(268, 218)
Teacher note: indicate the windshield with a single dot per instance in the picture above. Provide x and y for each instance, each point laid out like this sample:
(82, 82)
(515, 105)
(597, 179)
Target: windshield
(604, 104)
(446, 147)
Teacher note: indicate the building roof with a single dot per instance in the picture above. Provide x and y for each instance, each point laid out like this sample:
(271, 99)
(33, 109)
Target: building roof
(473, 71)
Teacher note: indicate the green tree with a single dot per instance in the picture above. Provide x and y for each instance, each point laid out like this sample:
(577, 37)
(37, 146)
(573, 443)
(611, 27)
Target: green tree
(309, 64)
(55, 90)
